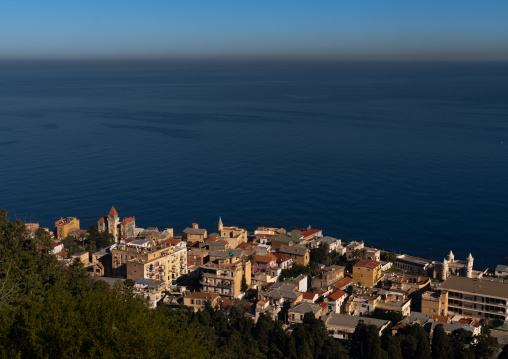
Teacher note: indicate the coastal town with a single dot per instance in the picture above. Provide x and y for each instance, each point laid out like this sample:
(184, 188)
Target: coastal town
(288, 273)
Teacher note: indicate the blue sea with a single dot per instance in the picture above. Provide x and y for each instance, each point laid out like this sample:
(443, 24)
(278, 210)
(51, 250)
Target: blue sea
(405, 156)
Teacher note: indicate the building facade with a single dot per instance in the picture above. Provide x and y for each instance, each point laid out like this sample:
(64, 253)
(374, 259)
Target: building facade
(477, 298)
(367, 273)
(224, 277)
(138, 259)
(64, 225)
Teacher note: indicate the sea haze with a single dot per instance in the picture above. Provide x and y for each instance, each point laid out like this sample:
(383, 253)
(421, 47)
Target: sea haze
(405, 156)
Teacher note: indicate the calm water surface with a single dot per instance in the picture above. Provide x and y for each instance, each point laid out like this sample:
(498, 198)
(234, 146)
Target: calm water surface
(405, 156)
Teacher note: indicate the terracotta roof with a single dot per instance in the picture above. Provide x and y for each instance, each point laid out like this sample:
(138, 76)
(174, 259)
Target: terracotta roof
(465, 321)
(337, 294)
(101, 219)
(55, 244)
(113, 212)
(247, 245)
(367, 263)
(282, 257)
(202, 295)
(62, 254)
(128, 220)
(322, 304)
(310, 232)
(308, 296)
(343, 282)
(129, 240)
(440, 318)
(171, 241)
(267, 258)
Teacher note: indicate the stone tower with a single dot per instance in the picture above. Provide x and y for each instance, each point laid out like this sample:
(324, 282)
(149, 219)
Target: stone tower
(113, 223)
(444, 274)
(451, 257)
(220, 226)
(469, 266)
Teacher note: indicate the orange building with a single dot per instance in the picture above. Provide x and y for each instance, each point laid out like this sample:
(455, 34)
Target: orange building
(64, 225)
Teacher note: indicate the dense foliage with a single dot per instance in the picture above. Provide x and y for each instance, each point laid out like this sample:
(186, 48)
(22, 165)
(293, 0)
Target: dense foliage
(51, 311)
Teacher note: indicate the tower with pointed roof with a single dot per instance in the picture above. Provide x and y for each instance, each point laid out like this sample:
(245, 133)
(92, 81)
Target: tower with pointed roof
(110, 223)
(220, 226)
(451, 257)
(113, 223)
(469, 267)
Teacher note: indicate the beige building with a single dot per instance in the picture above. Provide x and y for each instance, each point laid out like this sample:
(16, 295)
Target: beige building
(194, 234)
(477, 298)
(224, 276)
(299, 254)
(197, 300)
(64, 225)
(232, 232)
(84, 257)
(139, 259)
(435, 303)
(328, 276)
(367, 273)
(296, 313)
(127, 228)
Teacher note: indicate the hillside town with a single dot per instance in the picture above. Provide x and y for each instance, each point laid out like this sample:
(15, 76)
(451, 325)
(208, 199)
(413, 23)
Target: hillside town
(288, 273)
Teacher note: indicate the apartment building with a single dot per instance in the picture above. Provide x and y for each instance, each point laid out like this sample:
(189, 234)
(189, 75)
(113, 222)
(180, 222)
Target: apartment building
(477, 298)
(139, 259)
(224, 276)
(367, 273)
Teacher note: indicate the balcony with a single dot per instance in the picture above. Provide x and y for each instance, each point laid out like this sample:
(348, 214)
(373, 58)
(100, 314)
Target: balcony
(224, 285)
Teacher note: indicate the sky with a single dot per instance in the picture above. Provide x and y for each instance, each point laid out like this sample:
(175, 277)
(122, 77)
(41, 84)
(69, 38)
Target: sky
(275, 29)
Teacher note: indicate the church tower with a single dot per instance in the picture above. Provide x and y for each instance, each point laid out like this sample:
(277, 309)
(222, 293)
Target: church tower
(220, 226)
(444, 274)
(451, 257)
(469, 266)
(113, 223)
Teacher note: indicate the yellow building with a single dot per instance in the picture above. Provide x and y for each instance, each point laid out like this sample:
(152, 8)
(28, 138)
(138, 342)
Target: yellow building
(224, 277)
(299, 254)
(166, 261)
(367, 273)
(232, 232)
(435, 303)
(64, 225)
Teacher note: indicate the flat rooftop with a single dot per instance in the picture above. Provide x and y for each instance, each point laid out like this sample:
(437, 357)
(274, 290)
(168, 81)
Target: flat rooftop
(476, 286)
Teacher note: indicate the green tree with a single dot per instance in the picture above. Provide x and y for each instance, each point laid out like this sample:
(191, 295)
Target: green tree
(365, 343)
(441, 347)
(504, 353)
(244, 285)
(485, 347)
(391, 346)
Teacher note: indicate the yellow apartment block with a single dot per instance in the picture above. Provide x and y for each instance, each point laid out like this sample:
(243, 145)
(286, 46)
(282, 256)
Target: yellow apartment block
(367, 273)
(166, 261)
(225, 277)
(64, 225)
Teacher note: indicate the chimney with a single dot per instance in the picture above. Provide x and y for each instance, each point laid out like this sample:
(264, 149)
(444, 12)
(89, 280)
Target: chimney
(195, 226)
